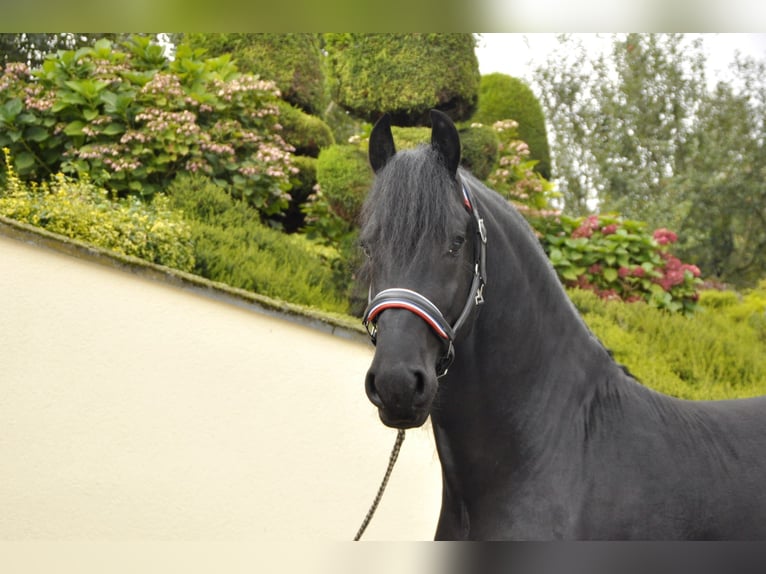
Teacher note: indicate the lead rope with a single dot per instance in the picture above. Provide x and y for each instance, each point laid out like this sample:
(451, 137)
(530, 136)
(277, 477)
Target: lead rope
(391, 462)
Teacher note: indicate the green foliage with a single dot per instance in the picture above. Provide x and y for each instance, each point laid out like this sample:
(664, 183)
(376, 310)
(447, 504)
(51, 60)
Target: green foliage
(749, 308)
(618, 259)
(503, 97)
(344, 177)
(405, 75)
(232, 246)
(292, 60)
(706, 355)
(480, 149)
(303, 183)
(307, 134)
(83, 211)
(131, 120)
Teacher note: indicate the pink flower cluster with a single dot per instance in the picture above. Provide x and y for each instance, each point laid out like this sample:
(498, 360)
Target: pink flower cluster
(587, 227)
(157, 120)
(164, 84)
(665, 236)
(247, 83)
(674, 272)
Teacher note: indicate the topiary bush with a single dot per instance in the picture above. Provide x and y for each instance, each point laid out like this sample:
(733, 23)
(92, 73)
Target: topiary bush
(503, 97)
(232, 246)
(306, 134)
(404, 75)
(83, 211)
(130, 120)
(291, 60)
(344, 177)
(480, 149)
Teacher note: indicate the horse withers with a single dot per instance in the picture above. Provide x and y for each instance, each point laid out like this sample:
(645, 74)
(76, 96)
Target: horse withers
(540, 433)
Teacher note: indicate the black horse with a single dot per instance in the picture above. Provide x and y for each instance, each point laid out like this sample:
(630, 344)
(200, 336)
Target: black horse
(540, 433)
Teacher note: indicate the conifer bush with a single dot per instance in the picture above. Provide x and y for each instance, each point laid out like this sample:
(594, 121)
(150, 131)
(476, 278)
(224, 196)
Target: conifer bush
(232, 246)
(706, 355)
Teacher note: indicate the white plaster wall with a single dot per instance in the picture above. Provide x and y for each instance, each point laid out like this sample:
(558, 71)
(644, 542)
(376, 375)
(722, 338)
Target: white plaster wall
(135, 410)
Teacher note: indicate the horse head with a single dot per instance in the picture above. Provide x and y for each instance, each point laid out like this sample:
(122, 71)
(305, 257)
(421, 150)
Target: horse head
(425, 252)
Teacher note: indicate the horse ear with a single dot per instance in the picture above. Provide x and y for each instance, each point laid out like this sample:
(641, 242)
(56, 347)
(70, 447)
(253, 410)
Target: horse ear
(445, 140)
(381, 143)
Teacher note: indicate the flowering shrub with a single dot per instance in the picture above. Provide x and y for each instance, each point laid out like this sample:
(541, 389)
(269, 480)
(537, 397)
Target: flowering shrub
(83, 211)
(618, 259)
(132, 120)
(515, 178)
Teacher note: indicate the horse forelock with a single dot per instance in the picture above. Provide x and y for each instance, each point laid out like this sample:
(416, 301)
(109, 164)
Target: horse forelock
(414, 200)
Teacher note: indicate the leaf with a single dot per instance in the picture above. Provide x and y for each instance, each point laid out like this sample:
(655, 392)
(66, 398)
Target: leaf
(36, 134)
(569, 274)
(25, 161)
(10, 110)
(610, 274)
(90, 114)
(113, 129)
(74, 128)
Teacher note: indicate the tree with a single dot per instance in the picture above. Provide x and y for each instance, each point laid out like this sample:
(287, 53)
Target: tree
(621, 123)
(636, 131)
(723, 180)
(31, 48)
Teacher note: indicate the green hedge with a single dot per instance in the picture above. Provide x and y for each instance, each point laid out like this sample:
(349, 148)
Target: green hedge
(232, 246)
(707, 355)
(404, 75)
(503, 97)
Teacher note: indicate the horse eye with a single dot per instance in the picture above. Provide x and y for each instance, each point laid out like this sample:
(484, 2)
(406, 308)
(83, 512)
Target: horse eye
(366, 250)
(457, 243)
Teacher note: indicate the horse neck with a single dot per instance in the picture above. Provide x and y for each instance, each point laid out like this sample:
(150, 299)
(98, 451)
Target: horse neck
(529, 361)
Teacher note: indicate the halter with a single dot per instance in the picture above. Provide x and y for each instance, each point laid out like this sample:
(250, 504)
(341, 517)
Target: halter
(398, 298)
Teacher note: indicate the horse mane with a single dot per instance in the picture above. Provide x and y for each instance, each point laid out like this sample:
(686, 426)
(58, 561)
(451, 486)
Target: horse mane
(408, 203)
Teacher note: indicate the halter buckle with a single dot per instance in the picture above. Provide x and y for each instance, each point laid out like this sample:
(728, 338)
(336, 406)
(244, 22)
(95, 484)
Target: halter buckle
(479, 295)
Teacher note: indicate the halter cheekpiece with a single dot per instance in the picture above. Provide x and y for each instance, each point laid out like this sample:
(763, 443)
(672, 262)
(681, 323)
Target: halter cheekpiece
(398, 298)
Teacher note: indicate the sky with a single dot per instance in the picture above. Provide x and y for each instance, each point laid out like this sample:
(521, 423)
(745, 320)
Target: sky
(518, 54)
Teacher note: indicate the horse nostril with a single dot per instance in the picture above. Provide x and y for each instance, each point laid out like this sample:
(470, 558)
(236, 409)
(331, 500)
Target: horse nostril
(372, 392)
(420, 383)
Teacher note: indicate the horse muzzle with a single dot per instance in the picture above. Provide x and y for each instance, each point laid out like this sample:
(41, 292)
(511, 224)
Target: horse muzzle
(403, 394)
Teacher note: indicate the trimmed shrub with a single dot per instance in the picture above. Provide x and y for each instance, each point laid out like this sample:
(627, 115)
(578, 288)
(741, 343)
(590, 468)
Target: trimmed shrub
(403, 74)
(480, 149)
(702, 356)
(344, 177)
(83, 211)
(307, 134)
(293, 61)
(232, 246)
(503, 97)
(407, 138)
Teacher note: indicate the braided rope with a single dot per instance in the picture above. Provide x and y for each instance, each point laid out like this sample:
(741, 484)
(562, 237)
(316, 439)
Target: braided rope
(391, 462)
